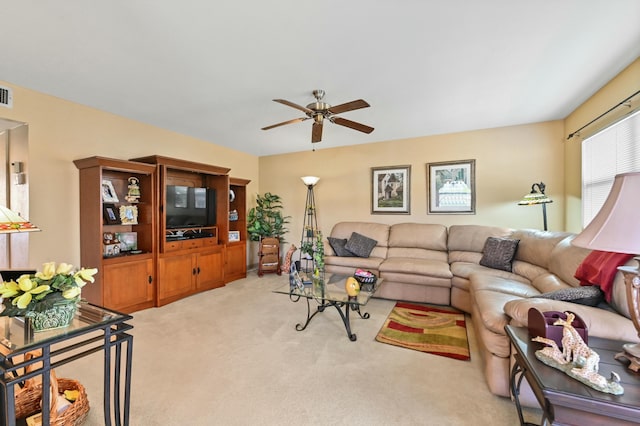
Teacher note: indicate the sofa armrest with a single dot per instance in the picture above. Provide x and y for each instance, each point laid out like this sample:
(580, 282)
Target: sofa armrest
(600, 322)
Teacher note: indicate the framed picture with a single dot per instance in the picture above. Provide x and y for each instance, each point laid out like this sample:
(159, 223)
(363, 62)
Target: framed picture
(234, 236)
(390, 190)
(129, 215)
(109, 212)
(452, 187)
(108, 192)
(128, 240)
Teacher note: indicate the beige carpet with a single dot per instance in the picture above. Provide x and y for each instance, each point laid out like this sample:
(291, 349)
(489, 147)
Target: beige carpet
(232, 356)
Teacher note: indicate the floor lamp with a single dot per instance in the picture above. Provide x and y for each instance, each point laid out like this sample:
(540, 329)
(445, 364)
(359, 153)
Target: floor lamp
(616, 228)
(310, 225)
(537, 197)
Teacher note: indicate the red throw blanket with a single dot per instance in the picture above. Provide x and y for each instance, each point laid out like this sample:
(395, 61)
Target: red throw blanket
(599, 268)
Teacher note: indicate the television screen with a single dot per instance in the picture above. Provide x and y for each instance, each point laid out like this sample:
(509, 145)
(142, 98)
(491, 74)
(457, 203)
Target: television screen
(188, 207)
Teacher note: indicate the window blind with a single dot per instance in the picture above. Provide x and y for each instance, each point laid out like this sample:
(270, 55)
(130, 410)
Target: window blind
(613, 150)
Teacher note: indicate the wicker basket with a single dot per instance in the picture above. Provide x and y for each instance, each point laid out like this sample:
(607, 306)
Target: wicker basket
(29, 400)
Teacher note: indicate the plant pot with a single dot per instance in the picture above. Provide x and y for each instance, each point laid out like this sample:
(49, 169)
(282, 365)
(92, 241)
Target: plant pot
(57, 316)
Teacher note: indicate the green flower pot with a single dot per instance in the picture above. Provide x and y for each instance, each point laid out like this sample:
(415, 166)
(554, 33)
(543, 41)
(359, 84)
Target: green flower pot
(57, 316)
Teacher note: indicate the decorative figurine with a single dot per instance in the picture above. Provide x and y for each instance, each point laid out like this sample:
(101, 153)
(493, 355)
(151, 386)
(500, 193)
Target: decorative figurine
(110, 244)
(576, 359)
(133, 196)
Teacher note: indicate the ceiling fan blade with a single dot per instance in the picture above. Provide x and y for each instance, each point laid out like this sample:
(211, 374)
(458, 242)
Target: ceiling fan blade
(295, 120)
(316, 132)
(296, 106)
(352, 124)
(349, 106)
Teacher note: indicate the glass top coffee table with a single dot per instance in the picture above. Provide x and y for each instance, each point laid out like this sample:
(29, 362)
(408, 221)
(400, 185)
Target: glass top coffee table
(331, 292)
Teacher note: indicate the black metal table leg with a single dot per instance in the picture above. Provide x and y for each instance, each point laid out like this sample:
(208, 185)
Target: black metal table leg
(300, 327)
(515, 383)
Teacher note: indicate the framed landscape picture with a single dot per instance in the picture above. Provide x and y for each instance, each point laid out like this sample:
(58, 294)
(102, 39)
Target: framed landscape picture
(390, 190)
(452, 187)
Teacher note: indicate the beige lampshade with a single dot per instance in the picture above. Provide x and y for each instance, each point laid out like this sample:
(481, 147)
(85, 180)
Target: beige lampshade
(616, 227)
(11, 221)
(310, 180)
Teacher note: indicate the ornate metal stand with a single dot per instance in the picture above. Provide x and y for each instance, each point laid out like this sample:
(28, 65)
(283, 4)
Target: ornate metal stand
(322, 304)
(309, 229)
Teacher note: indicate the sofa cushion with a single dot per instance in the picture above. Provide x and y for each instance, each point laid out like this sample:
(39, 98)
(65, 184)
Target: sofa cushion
(498, 253)
(411, 266)
(565, 259)
(473, 237)
(377, 231)
(337, 244)
(547, 283)
(535, 246)
(426, 236)
(465, 269)
(586, 295)
(485, 282)
(360, 245)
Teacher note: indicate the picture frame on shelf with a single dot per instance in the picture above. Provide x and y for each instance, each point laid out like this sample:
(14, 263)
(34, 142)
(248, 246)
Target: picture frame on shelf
(128, 241)
(234, 236)
(110, 215)
(129, 215)
(110, 245)
(109, 194)
(391, 190)
(452, 187)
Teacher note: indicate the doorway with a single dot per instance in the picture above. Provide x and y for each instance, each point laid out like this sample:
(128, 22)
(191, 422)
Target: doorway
(14, 190)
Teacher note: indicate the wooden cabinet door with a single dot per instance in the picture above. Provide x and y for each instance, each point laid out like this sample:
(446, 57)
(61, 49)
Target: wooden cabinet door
(210, 270)
(129, 286)
(235, 262)
(176, 277)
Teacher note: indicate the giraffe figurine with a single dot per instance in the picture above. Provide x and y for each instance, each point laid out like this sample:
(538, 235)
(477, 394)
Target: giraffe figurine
(574, 349)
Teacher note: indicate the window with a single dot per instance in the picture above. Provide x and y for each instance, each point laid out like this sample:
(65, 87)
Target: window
(614, 150)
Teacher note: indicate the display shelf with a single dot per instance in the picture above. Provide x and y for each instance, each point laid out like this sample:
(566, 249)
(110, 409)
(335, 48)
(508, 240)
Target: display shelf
(97, 175)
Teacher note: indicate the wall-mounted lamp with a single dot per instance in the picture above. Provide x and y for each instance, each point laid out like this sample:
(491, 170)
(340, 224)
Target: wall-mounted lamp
(11, 222)
(537, 197)
(19, 177)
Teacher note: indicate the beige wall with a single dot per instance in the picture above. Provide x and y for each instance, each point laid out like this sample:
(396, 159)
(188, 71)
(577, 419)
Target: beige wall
(508, 161)
(614, 92)
(61, 131)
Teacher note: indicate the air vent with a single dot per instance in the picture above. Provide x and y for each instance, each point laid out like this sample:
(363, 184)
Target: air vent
(6, 97)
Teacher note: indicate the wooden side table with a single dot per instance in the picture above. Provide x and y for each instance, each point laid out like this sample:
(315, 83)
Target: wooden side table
(566, 401)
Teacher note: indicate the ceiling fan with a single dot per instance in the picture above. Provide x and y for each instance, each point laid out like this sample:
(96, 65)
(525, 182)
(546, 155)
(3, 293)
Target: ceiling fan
(320, 111)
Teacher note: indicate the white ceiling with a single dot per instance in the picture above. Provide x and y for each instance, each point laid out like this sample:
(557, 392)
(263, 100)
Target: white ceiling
(210, 69)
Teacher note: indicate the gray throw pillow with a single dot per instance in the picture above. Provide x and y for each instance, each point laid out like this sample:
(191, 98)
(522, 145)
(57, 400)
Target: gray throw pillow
(498, 253)
(589, 295)
(337, 244)
(360, 245)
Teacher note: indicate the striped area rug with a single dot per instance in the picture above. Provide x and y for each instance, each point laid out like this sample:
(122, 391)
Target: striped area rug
(438, 330)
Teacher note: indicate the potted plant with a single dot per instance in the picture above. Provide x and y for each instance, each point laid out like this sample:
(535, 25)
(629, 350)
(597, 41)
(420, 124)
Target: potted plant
(265, 219)
(49, 297)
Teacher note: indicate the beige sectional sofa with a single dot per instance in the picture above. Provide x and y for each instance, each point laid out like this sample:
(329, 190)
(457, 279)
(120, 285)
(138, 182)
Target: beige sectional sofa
(430, 263)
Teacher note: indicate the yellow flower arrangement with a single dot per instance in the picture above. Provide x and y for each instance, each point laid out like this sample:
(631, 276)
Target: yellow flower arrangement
(55, 284)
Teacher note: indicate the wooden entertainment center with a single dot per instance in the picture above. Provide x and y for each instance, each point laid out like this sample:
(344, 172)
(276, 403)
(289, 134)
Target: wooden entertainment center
(169, 261)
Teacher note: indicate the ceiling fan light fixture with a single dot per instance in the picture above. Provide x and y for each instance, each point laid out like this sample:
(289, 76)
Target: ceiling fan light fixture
(320, 111)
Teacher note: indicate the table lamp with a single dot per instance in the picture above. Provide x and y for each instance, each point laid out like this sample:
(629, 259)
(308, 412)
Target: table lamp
(616, 228)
